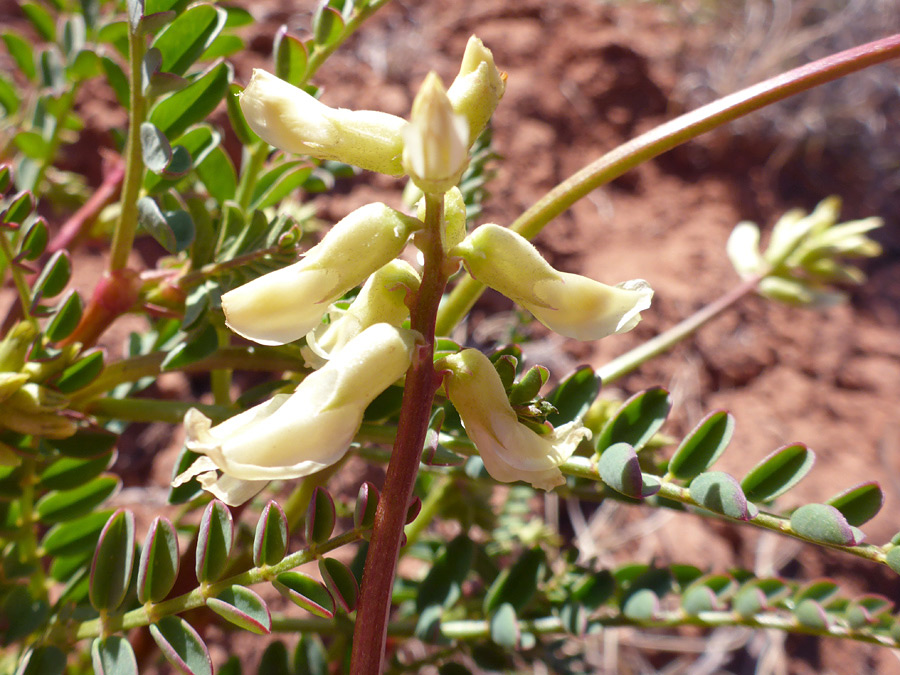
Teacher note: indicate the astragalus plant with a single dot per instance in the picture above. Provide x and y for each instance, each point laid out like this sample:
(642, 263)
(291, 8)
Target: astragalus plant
(354, 328)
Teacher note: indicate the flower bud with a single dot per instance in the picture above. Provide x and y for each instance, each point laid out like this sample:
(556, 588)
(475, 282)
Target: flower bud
(290, 119)
(436, 140)
(510, 450)
(382, 299)
(454, 218)
(478, 87)
(286, 304)
(568, 304)
(294, 435)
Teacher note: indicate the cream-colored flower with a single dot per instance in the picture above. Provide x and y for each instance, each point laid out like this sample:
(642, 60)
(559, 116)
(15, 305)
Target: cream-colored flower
(478, 87)
(294, 435)
(286, 304)
(436, 140)
(569, 304)
(510, 450)
(290, 119)
(382, 299)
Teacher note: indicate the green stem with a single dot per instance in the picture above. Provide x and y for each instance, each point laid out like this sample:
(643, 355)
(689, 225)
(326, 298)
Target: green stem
(627, 362)
(665, 137)
(152, 410)
(421, 383)
(18, 278)
(150, 612)
(27, 522)
(150, 365)
(126, 226)
(582, 467)
(479, 629)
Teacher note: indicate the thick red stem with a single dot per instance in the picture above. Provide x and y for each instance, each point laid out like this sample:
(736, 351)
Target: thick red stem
(370, 632)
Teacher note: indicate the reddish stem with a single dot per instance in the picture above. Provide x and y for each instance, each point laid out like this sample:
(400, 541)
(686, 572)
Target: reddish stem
(370, 631)
(75, 228)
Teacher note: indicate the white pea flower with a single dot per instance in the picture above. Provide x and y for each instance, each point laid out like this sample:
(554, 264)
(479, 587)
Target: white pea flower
(286, 304)
(510, 450)
(478, 87)
(569, 304)
(294, 435)
(290, 119)
(436, 140)
(382, 299)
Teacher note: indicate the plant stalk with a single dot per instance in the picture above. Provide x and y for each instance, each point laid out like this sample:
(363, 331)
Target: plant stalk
(370, 632)
(627, 362)
(126, 226)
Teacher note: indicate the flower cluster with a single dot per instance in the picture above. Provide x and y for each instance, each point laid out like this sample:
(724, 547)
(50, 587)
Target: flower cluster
(361, 349)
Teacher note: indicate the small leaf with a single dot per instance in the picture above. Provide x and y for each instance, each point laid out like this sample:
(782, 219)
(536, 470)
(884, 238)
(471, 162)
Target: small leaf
(594, 590)
(821, 590)
(517, 584)
(113, 656)
(67, 472)
(116, 79)
(81, 373)
(54, 276)
(75, 537)
(155, 147)
(113, 558)
(778, 472)
(573, 396)
(174, 230)
(721, 493)
(529, 386)
(305, 592)
(893, 559)
(810, 613)
(859, 504)
(236, 116)
(85, 444)
(823, 523)
(703, 445)
(320, 518)
(699, 599)
(639, 418)
(749, 602)
(310, 657)
(328, 26)
(271, 540)
(192, 104)
(340, 582)
(62, 505)
(20, 49)
(44, 660)
(278, 183)
(290, 57)
(243, 608)
(183, 41)
(217, 173)
(274, 660)
(366, 503)
(642, 605)
(198, 344)
(66, 317)
(214, 542)
(34, 240)
(504, 626)
(41, 19)
(182, 645)
(620, 468)
(20, 207)
(158, 567)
